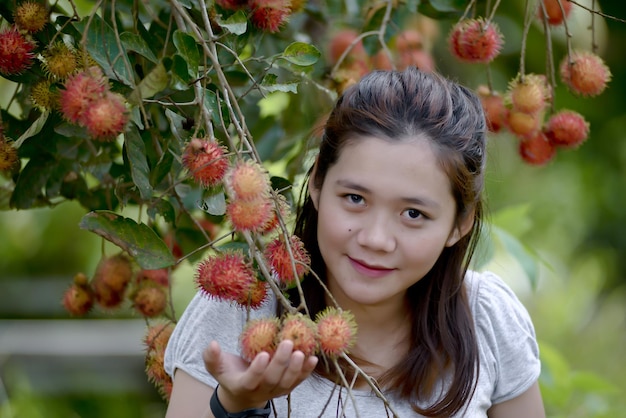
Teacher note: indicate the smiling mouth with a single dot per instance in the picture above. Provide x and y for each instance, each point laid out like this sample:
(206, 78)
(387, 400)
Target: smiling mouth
(369, 270)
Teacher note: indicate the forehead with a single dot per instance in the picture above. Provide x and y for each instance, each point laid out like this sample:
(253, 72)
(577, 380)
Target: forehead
(410, 163)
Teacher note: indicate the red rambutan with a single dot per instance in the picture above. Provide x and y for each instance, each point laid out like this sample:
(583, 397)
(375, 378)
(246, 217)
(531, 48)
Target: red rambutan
(149, 299)
(247, 180)
(567, 129)
(302, 331)
(232, 4)
(206, 161)
(278, 257)
(585, 73)
(537, 149)
(269, 15)
(80, 91)
(259, 335)
(254, 296)
(250, 215)
(556, 11)
(158, 276)
(115, 271)
(341, 41)
(78, 299)
(529, 94)
(336, 331)
(16, 52)
(496, 112)
(225, 276)
(475, 41)
(106, 117)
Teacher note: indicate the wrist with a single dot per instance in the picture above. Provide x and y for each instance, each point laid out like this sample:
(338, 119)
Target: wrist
(222, 406)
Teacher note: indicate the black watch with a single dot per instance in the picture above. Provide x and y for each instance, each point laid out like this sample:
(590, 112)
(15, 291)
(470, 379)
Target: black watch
(219, 412)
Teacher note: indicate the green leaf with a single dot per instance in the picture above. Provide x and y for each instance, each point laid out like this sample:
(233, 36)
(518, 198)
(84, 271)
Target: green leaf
(155, 82)
(176, 123)
(163, 208)
(31, 181)
(180, 73)
(270, 85)
(140, 172)
(188, 49)
(162, 168)
(441, 9)
(139, 240)
(524, 256)
(300, 53)
(236, 24)
(134, 42)
(102, 45)
(33, 130)
(515, 219)
(214, 204)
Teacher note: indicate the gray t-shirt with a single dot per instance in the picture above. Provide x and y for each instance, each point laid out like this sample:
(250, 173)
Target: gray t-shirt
(509, 355)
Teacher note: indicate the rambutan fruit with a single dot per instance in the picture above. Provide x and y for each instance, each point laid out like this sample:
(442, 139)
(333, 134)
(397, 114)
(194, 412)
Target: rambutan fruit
(232, 4)
(381, 60)
(269, 15)
(78, 299)
(336, 331)
(475, 40)
(537, 149)
(585, 73)
(155, 340)
(556, 11)
(247, 180)
(8, 156)
(225, 276)
(567, 129)
(44, 96)
(529, 93)
(16, 52)
(522, 124)
(115, 271)
(60, 61)
(254, 296)
(409, 40)
(282, 209)
(259, 335)
(158, 276)
(106, 117)
(206, 161)
(302, 331)
(341, 41)
(79, 91)
(149, 299)
(493, 105)
(250, 215)
(277, 254)
(31, 16)
(418, 58)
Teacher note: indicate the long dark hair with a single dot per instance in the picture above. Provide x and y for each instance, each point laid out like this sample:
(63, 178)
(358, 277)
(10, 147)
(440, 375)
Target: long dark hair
(394, 105)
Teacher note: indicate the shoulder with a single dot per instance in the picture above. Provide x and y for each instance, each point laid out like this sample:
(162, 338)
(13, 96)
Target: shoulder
(506, 336)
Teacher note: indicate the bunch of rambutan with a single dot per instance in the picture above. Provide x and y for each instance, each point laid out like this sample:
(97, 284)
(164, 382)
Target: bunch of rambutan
(87, 101)
(155, 342)
(266, 15)
(332, 333)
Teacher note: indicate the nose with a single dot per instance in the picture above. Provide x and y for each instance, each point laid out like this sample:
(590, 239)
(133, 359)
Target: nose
(376, 234)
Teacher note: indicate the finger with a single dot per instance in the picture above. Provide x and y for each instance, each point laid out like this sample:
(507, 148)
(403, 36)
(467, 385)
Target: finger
(279, 363)
(309, 365)
(293, 372)
(254, 376)
(212, 356)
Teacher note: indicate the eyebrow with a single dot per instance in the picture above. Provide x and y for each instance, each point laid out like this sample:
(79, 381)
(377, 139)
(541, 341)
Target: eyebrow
(419, 201)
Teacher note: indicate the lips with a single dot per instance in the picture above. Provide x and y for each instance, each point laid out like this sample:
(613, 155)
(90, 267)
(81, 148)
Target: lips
(368, 270)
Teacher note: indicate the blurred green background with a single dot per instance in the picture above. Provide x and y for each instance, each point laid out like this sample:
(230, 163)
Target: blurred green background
(569, 216)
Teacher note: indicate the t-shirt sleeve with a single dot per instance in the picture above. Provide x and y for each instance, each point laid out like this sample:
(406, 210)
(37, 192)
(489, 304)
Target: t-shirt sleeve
(204, 320)
(506, 338)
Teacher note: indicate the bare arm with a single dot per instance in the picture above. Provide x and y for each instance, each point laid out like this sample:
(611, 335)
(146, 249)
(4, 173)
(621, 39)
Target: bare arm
(527, 405)
(242, 385)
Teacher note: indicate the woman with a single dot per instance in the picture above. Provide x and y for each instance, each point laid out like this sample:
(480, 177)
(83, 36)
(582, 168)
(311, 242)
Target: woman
(391, 220)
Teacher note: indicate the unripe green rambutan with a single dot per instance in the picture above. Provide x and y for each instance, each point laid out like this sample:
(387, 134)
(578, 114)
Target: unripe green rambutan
(8, 155)
(44, 96)
(259, 335)
(31, 16)
(302, 331)
(60, 61)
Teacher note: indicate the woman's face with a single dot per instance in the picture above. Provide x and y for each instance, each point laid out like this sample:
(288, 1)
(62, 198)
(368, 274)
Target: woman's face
(386, 212)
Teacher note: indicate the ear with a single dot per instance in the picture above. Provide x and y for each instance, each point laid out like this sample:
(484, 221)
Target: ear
(461, 230)
(314, 192)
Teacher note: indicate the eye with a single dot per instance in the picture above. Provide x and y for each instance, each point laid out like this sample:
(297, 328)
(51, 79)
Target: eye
(413, 214)
(354, 198)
